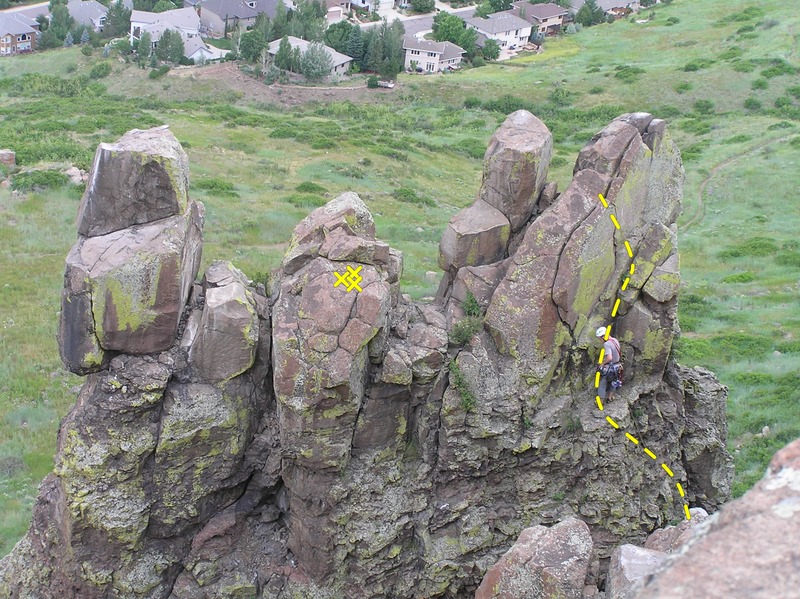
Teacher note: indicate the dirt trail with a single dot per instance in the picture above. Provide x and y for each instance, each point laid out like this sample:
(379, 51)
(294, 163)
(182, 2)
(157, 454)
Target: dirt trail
(285, 95)
(700, 212)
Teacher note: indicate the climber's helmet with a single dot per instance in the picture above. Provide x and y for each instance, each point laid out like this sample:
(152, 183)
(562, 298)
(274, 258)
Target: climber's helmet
(601, 332)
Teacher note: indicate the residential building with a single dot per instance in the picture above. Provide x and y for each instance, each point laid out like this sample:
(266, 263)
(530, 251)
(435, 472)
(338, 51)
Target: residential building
(337, 10)
(430, 56)
(215, 15)
(340, 63)
(88, 13)
(544, 18)
(18, 34)
(608, 6)
(507, 29)
(197, 50)
(183, 20)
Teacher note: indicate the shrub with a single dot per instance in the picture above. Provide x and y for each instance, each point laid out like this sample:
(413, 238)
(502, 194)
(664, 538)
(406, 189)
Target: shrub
(305, 200)
(100, 70)
(759, 84)
(472, 102)
(740, 277)
(159, 72)
(352, 172)
(788, 259)
(752, 104)
(372, 82)
(468, 401)
(731, 53)
(474, 148)
(86, 50)
(310, 187)
(471, 306)
(733, 346)
(478, 61)
(38, 180)
(672, 21)
(694, 352)
(628, 73)
(682, 87)
(736, 139)
(745, 29)
(794, 91)
(217, 187)
(596, 90)
(744, 66)
(465, 329)
(696, 65)
(779, 67)
(406, 194)
(755, 246)
(783, 102)
(704, 106)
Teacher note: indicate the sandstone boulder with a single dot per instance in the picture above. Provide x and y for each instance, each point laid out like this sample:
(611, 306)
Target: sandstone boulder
(125, 291)
(225, 338)
(477, 235)
(515, 167)
(8, 157)
(141, 178)
(744, 550)
(630, 565)
(543, 563)
(671, 538)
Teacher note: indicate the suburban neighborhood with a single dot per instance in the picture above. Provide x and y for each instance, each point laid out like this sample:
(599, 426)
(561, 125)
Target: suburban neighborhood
(202, 31)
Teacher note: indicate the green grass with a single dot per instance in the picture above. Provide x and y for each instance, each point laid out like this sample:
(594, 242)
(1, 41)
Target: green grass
(414, 156)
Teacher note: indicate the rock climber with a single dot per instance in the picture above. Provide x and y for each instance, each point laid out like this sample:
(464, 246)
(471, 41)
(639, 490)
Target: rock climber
(610, 368)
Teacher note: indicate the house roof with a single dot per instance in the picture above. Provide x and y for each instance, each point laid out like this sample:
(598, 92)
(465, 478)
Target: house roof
(540, 12)
(194, 45)
(184, 18)
(337, 59)
(86, 11)
(230, 8)
(498, 22)
(606, 5)
(446, 49)
(13, 24)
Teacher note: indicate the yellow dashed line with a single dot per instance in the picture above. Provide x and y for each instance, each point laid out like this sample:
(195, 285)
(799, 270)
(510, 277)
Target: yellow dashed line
(610, 420)
(602, 355)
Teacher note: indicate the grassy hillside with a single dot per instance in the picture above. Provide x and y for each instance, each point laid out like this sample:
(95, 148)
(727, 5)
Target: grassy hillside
(723, 72)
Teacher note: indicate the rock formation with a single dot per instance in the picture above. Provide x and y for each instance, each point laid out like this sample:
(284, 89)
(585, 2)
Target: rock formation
(325, 441)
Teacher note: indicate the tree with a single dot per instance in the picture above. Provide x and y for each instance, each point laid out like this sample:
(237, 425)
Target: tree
(499, 5)
(61, 22)
(251, 44)
(170, 47)
(283, 56)
(491, 50)
(423, 6)
(145, 47)
(337, 36)
(590, 14)
(296, 60)
(355, 45)
(316, 63)
(279, 22)
(68, 42)
(163, 6)
(447, 27)
(373, 57)
(263, 26)
(118, 20)
(84, 36)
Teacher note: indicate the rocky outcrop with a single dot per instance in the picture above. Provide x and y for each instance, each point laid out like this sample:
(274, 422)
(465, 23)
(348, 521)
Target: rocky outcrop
(746, 549)
(338, 439)
(129, 274)
(8, 157)
(543, 563)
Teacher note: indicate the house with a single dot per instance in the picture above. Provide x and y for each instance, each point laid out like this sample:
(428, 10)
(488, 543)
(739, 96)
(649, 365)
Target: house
(610, 7)
(507, 29)
(88, 13)
(340, 63)
(197, 50)
(183, 20)
(430, 56)
(337, 10)
(544, 18)
(18, 34)
(215, 15)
